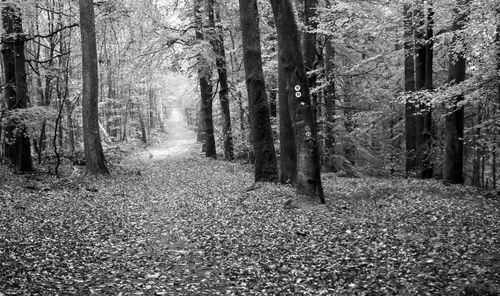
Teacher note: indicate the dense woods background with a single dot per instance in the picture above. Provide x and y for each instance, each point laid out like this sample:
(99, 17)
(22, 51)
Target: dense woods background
(402, 88)
(335, 145)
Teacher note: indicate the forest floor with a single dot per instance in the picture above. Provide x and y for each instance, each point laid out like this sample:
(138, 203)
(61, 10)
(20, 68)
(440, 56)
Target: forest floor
(170, 222)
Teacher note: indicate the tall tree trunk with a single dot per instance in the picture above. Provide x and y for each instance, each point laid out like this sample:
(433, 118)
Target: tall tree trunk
(204, 75)
(288, 150)
(427, 169)
(295, 90)
(310, 51)
(420, 62)
(16, 91)
(496, 108)
(220, 61)
(453, 157)
(330, 97)
(94, 156)
(409, 70)
(9, 68)
(265, 157)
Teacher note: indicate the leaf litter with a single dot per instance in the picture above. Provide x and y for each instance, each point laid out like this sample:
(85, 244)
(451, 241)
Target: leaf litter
(186, 225)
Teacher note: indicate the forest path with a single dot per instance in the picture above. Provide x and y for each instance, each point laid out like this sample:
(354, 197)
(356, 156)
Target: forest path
(180, 140)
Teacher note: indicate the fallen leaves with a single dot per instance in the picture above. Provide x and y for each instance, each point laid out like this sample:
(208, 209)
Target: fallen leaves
(187, 226)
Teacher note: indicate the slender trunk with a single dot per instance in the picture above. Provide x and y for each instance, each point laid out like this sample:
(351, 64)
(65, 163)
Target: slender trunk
(295, 90)
(477, 151)
(496, 108)
(309, 47)
(144, 137)
(94, 156)
(70, 127)
(420, 62)
(204, 75)
(453, 158)
(409, 70)
(427, 165)
(265, 157)
(220, 60)
(329, 150)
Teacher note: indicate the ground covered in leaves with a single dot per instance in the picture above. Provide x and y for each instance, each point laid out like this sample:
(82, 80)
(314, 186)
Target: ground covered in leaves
(170, 222)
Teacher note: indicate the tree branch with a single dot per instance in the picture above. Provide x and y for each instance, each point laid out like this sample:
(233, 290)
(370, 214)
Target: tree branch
(53, 33)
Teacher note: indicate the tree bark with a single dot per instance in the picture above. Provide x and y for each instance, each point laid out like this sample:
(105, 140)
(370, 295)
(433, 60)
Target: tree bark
(94, 156)
(496, 108)
(427, 169)
(16, 91)
(310, 50)
(409, 72)
(220, 61)
(265, 156)
(329, 150)
(295, 90)
(453, 158)
(204, 76)
(420, 56)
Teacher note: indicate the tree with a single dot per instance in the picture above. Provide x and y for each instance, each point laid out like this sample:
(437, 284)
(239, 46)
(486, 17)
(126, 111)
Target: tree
(294, 93)
(329, 98)
(309, 44)
(409, 78)
(427, 166)
(423, 80)
(94, 156)
(453, 158)
(217, 41)
(16, 89)
(265, 156)
(206, 89)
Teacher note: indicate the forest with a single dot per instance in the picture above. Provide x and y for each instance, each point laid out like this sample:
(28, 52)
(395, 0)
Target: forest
(251, 147)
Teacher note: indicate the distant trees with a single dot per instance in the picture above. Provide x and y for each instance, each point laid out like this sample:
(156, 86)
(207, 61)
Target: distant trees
(17, 142)
(94, 156)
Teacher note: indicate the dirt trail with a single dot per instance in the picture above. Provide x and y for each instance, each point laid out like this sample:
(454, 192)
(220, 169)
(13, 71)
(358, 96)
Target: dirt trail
(180, 140)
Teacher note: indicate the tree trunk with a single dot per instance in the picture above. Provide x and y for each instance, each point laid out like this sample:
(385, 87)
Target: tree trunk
(409, 70)
(16, 90)
(220, 61)
(477, 152)
(329, 150)
(310, 51)
(453, 158)
(265, 157)
(427, 165)
(94, 156)
(295, 90)
(420, 56)
(496, 108)
(144, 137)
(71, 126)
(204, 75)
